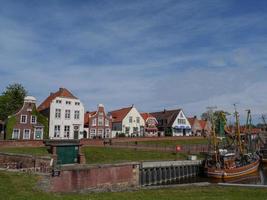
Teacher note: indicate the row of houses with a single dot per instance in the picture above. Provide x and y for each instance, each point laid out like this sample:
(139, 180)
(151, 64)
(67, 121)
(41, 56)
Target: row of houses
(62, 116)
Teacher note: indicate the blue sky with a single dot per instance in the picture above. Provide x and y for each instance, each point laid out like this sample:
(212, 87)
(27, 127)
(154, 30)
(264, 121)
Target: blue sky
(155, 54)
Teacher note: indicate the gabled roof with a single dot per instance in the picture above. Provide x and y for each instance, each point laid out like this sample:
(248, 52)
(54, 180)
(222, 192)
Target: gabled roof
(146, 115)
(191, 120)
(86, 116)
(119, 115)
(169, 115)
(62, 92)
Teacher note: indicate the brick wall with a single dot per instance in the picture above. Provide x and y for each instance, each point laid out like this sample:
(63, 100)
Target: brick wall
(96, 178)
(21, 143)
(19, 161)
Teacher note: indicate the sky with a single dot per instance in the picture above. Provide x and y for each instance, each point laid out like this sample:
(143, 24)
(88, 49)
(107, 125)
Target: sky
(154, 54)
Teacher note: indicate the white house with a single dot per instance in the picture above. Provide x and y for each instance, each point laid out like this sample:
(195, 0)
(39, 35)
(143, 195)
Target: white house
(127, 121)
(173, 122)
(65, 113)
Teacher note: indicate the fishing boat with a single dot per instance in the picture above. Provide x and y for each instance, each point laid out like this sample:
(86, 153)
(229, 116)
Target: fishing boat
(230, 156)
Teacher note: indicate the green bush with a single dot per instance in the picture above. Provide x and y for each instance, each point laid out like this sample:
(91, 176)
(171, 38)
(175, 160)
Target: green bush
(9, 127)
(42, 120)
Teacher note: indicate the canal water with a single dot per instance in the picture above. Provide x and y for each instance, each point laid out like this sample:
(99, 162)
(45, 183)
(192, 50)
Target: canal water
(258, 178)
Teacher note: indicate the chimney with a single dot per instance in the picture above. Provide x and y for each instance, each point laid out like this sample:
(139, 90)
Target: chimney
(51, 93)
(195, 117)
(61, 89)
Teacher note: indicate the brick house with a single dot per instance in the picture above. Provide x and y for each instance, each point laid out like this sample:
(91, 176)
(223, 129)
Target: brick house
(128, 122)
(172, 123)
(65, 113)
(27, 123)
(151, 123)
(199, 127)
(97, 124)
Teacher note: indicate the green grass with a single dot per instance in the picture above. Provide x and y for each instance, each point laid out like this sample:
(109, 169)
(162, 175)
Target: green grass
(114, 155)
(175, 142)
(18, 186)
(40, 151)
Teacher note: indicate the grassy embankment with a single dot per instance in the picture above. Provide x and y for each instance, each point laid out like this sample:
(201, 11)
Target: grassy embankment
(18, 186)
(38, 151)
(175, 142)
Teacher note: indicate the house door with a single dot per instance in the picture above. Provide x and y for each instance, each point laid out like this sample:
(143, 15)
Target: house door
(76, 132)
(184, 132)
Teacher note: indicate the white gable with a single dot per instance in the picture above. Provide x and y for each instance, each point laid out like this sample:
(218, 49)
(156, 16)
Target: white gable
(181, 121)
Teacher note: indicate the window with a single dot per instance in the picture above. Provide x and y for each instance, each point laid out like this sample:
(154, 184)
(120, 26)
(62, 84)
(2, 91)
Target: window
(26, 134)
(33, 119)
(67, 114)
(58, 113)
(76, 114)
(57, 131)
(138, 120)
(23, 119)
(68, 102)
(58, 101)
(38, 133)
(106, 122)
(181, 121)
(94, 122)
(77, 103)
(181, 115)
(100, 114)
(100, 121)
(66, 131)
(15, 134)
(100, 131)
(92, 130)
(127, 130)
(130, 119)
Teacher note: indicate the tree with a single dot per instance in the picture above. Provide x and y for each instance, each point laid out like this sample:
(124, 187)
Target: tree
(219, 117)
(11, 100)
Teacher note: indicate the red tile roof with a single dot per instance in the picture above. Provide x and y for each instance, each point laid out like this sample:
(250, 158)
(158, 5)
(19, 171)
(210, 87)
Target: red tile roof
(62, 92)
(191, 120)
(86, 116)
(119, 115)
(202, 123)
(146, 115)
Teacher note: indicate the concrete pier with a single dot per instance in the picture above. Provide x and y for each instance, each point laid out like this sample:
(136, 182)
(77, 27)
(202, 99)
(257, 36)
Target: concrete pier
(153, 173)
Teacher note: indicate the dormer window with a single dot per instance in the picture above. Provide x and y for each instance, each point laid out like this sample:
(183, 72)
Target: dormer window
(23, 119)
(58, 101)
(33, 119)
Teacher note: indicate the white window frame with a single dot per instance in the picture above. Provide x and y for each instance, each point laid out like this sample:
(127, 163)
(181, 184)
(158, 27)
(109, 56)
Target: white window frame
(57, 114)
(130, 119)
(25, 119)
(58, 131)
(100, 119)
(94, 122)
(67, 115)
(106, 122)
(35, 122)
(77, 114)
(35, 132)
(66, 132)
(138, 120)
(18, 133)
(24, 132)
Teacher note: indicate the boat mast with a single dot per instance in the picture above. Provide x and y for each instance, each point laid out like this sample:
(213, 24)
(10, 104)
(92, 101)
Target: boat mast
(239, 143)
(214, 138)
